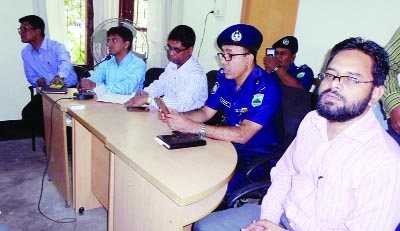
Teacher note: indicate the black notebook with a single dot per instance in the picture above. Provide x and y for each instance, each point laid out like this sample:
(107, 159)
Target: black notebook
(180, 140)
(48, 90)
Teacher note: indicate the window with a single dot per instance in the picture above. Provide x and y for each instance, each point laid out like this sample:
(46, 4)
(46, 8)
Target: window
(80, 26)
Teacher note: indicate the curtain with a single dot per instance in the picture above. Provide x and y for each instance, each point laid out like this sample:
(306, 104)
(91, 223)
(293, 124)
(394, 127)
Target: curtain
(158, 27)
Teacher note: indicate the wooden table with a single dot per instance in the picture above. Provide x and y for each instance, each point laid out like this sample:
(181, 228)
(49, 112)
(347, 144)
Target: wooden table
(118, 164)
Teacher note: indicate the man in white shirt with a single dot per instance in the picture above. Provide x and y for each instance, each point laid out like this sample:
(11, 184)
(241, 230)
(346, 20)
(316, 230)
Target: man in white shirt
(183, 84)
(342, 171)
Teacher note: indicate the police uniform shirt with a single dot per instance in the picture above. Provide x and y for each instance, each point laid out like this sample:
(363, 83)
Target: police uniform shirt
(257, 100)
(303, 73)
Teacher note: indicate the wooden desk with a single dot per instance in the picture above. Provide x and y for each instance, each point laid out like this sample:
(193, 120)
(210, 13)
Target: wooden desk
(117, 164)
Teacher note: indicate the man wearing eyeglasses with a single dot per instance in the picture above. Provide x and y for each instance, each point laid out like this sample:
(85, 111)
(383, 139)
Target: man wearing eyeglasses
(342, 171)
(249, 96)
(183, 84)
(281, 65)
(45, 62)
(123, 73)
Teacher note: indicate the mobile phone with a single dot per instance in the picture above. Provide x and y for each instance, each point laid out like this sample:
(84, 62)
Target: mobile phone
(270, 52)
(138, 108)
(160, 103)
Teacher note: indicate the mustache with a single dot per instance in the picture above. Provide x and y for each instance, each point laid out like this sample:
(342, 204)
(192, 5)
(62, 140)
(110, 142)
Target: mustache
(332, 92)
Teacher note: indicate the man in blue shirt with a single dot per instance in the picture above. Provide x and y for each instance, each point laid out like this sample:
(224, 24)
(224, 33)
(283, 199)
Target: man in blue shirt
(282, 66)
(249, 96)
(124, 72)
(45, 62)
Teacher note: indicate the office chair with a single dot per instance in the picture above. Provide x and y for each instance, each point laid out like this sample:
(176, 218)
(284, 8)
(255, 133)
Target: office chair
(151, 75)
(219, 117)
(81, 72)
(296, 103)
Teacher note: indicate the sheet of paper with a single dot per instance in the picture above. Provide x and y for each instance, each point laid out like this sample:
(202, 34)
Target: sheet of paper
(103, 96)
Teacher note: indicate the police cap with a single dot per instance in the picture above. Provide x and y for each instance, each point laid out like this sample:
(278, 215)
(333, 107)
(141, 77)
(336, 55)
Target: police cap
(288, 42)
(241, 35)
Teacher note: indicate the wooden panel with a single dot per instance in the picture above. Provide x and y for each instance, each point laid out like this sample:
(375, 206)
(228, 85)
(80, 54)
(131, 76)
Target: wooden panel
(56, 143)
(100, 171)
(83, 196)
(138, 205)
(274, 18)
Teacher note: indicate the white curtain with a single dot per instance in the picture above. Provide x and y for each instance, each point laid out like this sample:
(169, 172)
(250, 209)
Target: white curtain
(104, 9)
(158, 27)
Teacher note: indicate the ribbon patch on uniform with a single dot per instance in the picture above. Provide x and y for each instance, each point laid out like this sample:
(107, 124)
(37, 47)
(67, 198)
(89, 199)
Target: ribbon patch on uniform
(257, 100)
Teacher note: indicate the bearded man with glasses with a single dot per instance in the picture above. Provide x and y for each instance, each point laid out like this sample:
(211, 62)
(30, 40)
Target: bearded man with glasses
(183, 84)
(45, 62)
(342, 171)
(249, 96)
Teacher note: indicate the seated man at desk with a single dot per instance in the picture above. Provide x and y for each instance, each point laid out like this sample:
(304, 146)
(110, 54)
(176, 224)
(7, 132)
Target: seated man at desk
(282, 67)
(45, 62)
(342, 172)
(183, 84)
(249, 96)
(124, 72)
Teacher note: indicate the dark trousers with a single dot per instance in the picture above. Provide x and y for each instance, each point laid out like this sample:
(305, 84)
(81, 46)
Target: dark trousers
(396, 136)
(32, 115)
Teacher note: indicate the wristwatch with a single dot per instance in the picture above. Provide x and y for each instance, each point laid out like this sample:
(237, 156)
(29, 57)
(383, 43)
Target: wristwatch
(202, 132)
(276, 69)
(149, 99)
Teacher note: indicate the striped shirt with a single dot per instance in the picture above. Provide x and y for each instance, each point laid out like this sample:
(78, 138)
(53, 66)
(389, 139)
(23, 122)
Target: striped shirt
(391, 98)
(183, 89)
(351, 182)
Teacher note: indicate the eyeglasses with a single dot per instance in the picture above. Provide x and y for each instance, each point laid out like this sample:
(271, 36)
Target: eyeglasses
(175, 49)
(346, 79)
(228, 56)
(23, 29)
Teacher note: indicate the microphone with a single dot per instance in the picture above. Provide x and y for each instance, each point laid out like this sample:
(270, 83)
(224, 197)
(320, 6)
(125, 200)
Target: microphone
(80, 95)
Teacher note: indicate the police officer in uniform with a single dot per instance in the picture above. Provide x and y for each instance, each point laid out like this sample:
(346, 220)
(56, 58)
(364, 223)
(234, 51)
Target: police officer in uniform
(249, 96)
(282, 66)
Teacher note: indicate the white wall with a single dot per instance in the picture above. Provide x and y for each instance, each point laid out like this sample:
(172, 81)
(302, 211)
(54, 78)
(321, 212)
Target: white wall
(323, 23)
(14, 93)
(193, 13)
(320, 25)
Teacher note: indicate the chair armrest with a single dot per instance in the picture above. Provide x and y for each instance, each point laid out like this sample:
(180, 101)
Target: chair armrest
(256, 190)
(267, 162)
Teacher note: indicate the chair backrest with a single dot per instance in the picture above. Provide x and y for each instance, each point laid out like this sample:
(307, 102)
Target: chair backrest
(151, 75)
(81, 72)
(296, 103)
(219, 117)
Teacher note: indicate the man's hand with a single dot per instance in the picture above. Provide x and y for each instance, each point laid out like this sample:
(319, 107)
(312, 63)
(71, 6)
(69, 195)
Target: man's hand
(57, 80)
(41, 82)
(269, 63)
(395, 119)
(87, 84)
(137, 100)
(178, 122)
(263, 225)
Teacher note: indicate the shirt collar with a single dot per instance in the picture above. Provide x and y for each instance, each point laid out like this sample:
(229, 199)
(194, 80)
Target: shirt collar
(359, 131)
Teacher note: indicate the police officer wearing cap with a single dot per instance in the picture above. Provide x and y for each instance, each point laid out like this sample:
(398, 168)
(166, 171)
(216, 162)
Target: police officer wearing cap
(282, 66)
(249, 96)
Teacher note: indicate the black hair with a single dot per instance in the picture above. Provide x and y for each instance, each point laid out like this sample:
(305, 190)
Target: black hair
(123, 32)
(379, 56)
(183, 34)
(35, 21)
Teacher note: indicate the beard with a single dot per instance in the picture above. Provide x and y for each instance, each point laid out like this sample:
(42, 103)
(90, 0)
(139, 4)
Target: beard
(343, 113)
